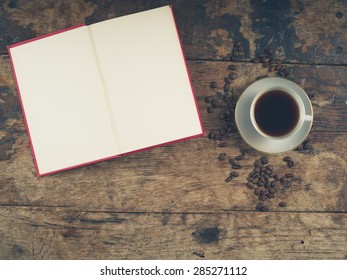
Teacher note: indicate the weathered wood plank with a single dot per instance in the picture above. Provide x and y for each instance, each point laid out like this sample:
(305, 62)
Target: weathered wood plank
(185, 177)
(327, 83)
(302, 31)
(63, 233)
(152, 180)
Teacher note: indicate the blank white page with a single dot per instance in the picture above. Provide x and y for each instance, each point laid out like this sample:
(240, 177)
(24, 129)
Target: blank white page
(145, 78)
(62, 96)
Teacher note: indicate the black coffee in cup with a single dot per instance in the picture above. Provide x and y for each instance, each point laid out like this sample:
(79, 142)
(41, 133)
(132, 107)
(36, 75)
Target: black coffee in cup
(276, 113)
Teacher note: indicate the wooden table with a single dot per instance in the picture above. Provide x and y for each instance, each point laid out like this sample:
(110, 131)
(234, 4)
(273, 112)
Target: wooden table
(173, 202)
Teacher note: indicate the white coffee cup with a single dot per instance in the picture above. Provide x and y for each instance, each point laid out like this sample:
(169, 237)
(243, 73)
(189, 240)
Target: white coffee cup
(249, 128)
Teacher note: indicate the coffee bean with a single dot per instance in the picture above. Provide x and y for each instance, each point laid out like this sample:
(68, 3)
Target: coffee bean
(213, 85)
(211, 135)
(271, 190)
(210, 110)
(260, 183)
(286, 159)
(232, 75)
(228, 179)
(290, 163)
(256, 169)
(266, 177)
(216, 137)
(262, 197)
(264, 192)
(250, 185)
(276, 177)
(234, 174)
(339, 14)
(208, 99)
(290, 175)
(252, 174)
(255, 180)
(236, 166)
(274, 184)
(222, 138)
(269, 167)
(267, 185)
(338, 50)
(270, 195)
(215, 103)
(257, 163)
(222, 156)
(227, 87)
(239, 157)
(257, 191)
(232, 67)
(227, 80)
(282, 204)
(261, 207)
(282, 179)
(222, 144)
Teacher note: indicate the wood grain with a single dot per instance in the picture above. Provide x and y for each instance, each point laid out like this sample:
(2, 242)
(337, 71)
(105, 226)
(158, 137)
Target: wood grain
(173, 202)
(303, 31)
(64, 233)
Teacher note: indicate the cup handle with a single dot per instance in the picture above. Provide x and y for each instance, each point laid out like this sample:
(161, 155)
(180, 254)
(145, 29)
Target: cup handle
(308, 118)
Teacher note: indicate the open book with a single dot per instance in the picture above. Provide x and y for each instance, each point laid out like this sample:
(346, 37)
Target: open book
(91, 93)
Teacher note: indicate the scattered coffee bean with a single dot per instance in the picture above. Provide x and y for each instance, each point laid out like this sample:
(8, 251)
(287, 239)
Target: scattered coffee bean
(239, 157)
(228, 179)
(236, 166)
(232, 75)
(290, 163)
(213, 85)
(215, 103)
(282, 204)
(261, 207)
(271, 190)
(222, 156)
(232, 67)
(269, 167)
(234, 174)
(270, 195)
(227, 80)
(257, 191)
(290, 175)
(208, 99)
(286, 159)
(211, 135)
(274, 184)
(339, 14)
(222, 144)
(267, 185)
(250, 185)
(282, 179)
(264, 160)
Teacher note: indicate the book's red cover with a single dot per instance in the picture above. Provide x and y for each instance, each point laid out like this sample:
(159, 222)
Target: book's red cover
(105, 158)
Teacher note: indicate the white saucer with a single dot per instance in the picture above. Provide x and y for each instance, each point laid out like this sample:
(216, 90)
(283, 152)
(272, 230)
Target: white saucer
(265, 143)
